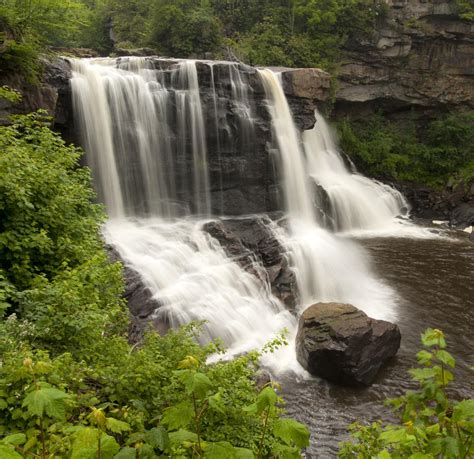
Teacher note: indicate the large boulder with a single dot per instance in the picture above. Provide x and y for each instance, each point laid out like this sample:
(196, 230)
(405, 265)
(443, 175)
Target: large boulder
(340, 343)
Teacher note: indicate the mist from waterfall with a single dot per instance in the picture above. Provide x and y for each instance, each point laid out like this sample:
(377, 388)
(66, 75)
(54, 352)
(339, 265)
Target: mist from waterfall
(144, 132)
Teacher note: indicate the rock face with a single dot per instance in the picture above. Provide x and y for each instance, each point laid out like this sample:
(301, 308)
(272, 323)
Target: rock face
(340, 343)
(141, 304)
(454, 204)
(50, 94)
(421, 58)
(239, 145)
(249, 240)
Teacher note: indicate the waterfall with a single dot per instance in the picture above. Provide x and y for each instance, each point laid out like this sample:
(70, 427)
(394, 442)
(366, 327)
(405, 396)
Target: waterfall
(355, 202)
(144, 130)
(328, 267)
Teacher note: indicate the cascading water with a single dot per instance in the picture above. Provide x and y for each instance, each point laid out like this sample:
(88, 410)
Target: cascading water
(123, 112)
(328, 268)
(144, 133)
(355, 202)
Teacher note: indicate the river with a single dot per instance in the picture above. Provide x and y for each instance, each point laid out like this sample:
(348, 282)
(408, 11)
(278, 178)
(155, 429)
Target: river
(433, 280)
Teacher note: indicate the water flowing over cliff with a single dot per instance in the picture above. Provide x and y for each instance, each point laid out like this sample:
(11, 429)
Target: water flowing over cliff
(159, 144)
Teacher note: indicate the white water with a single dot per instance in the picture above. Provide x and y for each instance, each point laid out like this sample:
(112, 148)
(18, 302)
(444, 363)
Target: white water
(355, 202)
(328, 267)
(141, 170)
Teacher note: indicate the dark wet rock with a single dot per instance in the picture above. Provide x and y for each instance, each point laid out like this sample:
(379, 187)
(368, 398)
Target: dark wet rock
(43, 95)
(250, 239)
(240, 157)
(262, 378)
(471, 236)
(462, 215)
(340, 343)
(454, 203)
(140, 301)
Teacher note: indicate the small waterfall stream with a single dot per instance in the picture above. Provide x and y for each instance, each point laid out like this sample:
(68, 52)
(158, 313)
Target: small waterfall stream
(144, 133)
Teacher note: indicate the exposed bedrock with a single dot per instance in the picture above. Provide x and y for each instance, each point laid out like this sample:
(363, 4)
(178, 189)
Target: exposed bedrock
(239, 151)
(251, 242)
(421, 58)
(140, 301)
(455, 203)
(340, 343)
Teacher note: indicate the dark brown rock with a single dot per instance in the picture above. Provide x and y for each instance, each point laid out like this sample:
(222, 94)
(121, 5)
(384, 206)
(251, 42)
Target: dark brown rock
(340, 343)
(141, 304)
(420, 59)
(250, 239)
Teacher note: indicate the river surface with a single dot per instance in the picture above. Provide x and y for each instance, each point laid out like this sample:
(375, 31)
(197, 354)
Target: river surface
(434, 283)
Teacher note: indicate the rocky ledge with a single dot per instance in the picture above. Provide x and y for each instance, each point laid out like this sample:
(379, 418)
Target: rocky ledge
(340, 343)
(420, 59)
(454, 204)
(251, 242)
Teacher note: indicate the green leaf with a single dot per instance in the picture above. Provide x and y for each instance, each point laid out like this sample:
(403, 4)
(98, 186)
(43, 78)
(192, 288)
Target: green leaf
(433, 337)
(85, 443)
(181, 436)
(424, 357)
(116, 426)
(199, 384)
(157, 438)
(108, 446)
(7, 452)
(421, 374)
(393, 435)
(384, 455)
(464, 411)
(178, 416)
(267, 398)
(445, 357)
(291, 431)
(47, 400)
(243, 453)
(218, 450)
(14, 439)
(215, 402)
(126, 453)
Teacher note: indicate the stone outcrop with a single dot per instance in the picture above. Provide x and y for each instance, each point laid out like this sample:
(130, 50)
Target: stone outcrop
(455, 203)
(340, 343)
(240, 157)
(50, 94)
(421, 58)
(141, 304)
(249, 240)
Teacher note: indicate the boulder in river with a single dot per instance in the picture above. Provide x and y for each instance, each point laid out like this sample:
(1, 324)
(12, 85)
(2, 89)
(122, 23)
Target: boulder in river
(340, 343)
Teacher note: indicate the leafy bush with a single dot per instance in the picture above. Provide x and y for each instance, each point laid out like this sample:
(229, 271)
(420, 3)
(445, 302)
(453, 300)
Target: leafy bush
(431, 426)
(71, 385)
(443, 150)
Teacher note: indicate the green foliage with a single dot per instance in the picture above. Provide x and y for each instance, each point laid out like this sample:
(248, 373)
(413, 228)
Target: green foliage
(443, 150)
(431, 424)
(9, 94)
(70, 383)
(466, 9)
(28, 26)
(182, 31)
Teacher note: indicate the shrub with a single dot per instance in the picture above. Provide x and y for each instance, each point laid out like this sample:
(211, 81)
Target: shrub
(431, 425)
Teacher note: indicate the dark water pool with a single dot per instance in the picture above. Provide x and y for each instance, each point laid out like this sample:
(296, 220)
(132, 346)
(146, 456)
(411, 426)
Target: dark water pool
(434, 280)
